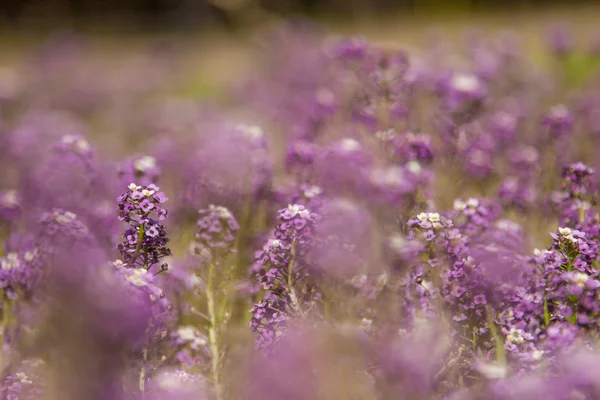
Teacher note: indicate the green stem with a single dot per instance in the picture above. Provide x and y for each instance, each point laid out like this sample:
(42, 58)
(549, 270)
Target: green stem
(290, 281)
(212, 332)
(5, 318)
(138, 247)
(500, 351)
(142, 382)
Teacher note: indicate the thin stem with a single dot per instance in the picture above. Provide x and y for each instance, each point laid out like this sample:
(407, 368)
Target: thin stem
(212, 332)
(290, 281)
(5, 319)
(138, 247)
(142, 382)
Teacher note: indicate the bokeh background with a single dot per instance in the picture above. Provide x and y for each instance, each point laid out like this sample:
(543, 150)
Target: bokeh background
(218, 35)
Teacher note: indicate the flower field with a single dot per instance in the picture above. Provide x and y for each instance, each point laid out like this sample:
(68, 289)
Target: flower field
(348, 219)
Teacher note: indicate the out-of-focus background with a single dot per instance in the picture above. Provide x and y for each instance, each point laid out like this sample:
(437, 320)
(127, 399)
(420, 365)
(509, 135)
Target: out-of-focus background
(217, 36)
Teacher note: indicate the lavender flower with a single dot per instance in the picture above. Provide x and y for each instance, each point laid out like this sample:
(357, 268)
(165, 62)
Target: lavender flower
(145, 241)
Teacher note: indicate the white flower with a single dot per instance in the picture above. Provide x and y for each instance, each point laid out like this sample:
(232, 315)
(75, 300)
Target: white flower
(414, 167)
(133, 187)
(68, 139)
(433, 217)
(579, 278)
(492, 371)
(251, 132)
(64, 218)
(82, 146)
(422, 217)
(365, 324)
(10, 261)
(382, 279)
(29, 256)
(144, 163)
(194, 280)
(294, 209)
(567, 233)
(304, 213)
(537, 355)
(397, 242)
(118, 263)
(465, 82)
(459, 205)
(23, 378)
(10, 199)
(187, 333)
(148, 193)
(136, 277)
(473, 203)
(312, 192)
(359, 280)
(349, 145)
(564, 231)
(515, 336)
(221, 211)
(537, 252)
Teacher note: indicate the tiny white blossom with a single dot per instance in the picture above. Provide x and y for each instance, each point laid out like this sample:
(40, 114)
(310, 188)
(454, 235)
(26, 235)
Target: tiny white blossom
(433, 217)
(349, 145)
(515, 336)
(567, 233)
(136, 277)
(251, 132)
(82, 146)
(29, 256)
(459, 205)
(23, 378)
(222, 211)
(473, 203)
(133, 187)
(10, 261)
(579, 278)
(365, 324)
(187, 333)
(10, 199)
(465, 82)
(144, 163)
(312, 192)
(537, 355)
(492, 371)
(422, 217)
(564, 231)
(414, 167)
(68, 139)
(148, 193)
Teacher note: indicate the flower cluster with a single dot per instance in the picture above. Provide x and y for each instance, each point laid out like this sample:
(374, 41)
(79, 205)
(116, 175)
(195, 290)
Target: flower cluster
(145, 240)
(24, 384)
(216, 229)
(284, 273)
